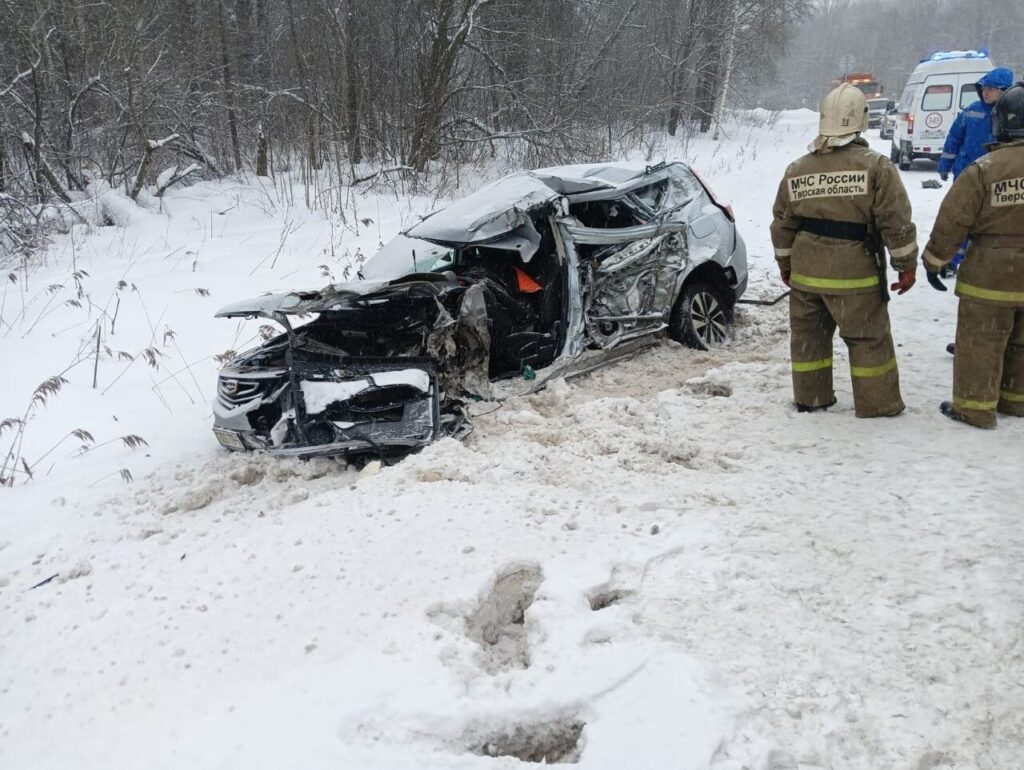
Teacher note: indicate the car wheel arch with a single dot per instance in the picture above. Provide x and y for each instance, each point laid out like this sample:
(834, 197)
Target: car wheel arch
(708, 278)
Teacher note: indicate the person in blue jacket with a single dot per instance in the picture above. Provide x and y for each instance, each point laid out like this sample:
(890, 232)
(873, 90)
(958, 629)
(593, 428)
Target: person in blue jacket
(970, 133)
(972, 129)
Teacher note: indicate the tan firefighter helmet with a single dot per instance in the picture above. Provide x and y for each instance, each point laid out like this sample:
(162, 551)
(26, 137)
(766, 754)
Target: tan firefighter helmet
(843, 111)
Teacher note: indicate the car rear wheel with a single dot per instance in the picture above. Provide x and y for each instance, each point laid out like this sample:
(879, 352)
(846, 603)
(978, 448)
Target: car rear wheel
(904, 160)
(702, 315)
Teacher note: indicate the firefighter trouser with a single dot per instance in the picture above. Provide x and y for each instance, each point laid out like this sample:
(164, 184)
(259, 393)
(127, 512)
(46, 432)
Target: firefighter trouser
(863, 321)
(988, 367)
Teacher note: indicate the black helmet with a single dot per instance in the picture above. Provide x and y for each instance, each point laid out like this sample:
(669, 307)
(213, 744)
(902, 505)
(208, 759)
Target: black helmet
(1008, 115)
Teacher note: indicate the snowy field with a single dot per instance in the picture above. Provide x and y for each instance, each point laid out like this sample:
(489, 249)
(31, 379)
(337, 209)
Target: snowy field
(660, 565)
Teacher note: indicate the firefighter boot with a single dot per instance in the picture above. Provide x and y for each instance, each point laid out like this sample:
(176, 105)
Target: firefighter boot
(803, 408)
(946, 407)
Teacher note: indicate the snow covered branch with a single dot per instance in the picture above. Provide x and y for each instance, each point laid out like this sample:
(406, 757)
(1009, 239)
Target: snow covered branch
(17, 78)
(156, 144)
(172, 176)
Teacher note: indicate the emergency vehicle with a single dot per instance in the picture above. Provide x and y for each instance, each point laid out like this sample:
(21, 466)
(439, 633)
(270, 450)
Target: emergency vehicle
(866, 82)
(937, 90)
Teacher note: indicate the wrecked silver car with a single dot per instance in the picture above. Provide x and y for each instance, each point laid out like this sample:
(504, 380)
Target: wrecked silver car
(542, 274)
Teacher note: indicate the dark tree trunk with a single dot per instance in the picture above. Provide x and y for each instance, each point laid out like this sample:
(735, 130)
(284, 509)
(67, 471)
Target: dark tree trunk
(313, 122)
(682, 71)
(435, 78)
(140, 179)
(37, 134)
(229, 91)
(261, 153)
(41, 170)
(355, 151)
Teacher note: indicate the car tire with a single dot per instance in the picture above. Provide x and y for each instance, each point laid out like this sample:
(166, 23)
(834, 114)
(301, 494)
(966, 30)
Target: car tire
(904, 161)
(894, 153)
(702, 315)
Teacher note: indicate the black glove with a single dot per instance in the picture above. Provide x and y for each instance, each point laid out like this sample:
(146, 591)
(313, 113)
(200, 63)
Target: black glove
(933, 279)
(943, 175)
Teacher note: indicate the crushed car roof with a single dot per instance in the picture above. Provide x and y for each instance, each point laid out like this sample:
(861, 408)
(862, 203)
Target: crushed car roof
(496, 211)
(500, 207)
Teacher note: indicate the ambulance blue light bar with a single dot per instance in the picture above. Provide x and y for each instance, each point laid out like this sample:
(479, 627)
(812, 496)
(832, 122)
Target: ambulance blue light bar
(981, 53)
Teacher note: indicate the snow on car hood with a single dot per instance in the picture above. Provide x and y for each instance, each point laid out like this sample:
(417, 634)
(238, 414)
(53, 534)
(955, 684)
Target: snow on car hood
(319, 394)
(498, 208)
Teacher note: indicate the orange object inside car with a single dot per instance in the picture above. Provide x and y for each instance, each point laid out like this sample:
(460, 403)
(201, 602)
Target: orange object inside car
(526, 284)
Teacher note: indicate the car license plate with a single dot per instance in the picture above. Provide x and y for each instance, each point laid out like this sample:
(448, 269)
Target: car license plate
(229, 439)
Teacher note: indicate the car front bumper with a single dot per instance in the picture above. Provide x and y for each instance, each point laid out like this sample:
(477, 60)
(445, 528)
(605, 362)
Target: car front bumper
(356, 408)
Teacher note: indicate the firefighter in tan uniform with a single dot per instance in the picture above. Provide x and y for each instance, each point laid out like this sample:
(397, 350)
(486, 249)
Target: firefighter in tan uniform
(835, 208)
(986, 205)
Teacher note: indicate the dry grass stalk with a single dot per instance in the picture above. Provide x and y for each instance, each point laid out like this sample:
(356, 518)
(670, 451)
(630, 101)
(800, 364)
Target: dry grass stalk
(151, 355)
(133, 441)
(9, 423)
(51, 386)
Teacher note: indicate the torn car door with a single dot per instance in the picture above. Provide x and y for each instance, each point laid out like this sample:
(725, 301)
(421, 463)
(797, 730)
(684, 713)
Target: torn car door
(631, 276)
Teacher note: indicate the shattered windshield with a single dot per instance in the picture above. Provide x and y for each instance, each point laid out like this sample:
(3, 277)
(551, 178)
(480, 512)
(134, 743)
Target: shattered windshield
(681, 188)
(683, 185)
(403, 256)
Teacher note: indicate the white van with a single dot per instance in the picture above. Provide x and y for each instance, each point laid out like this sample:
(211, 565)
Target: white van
(938, 89)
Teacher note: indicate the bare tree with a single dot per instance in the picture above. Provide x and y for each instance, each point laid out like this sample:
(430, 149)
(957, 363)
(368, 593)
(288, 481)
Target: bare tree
(124, 90)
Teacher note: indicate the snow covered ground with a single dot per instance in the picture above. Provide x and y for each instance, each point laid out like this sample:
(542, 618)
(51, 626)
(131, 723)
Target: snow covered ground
(660, 565)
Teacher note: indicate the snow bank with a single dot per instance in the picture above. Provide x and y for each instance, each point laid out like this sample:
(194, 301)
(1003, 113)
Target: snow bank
(114, 207)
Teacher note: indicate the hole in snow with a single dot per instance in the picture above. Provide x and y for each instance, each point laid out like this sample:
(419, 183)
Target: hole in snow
(704, 386)
(606, 597)
(497, 623)
(936, 760)
(541, 742)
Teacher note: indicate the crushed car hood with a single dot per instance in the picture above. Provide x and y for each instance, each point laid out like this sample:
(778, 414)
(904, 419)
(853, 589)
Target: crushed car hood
(332, 297)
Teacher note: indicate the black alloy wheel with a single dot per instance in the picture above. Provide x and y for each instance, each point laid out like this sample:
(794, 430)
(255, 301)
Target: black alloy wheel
(702, 315)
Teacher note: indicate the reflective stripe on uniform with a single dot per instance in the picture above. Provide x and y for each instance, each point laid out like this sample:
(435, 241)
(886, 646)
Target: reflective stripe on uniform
(873, 371)
(903, 251)
(982, 406)
(934, 261)
(834, 283)
(949, 155)
(783, 252)
(973, 114)
(992, 294)
(812, 366)
(1006, 395)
